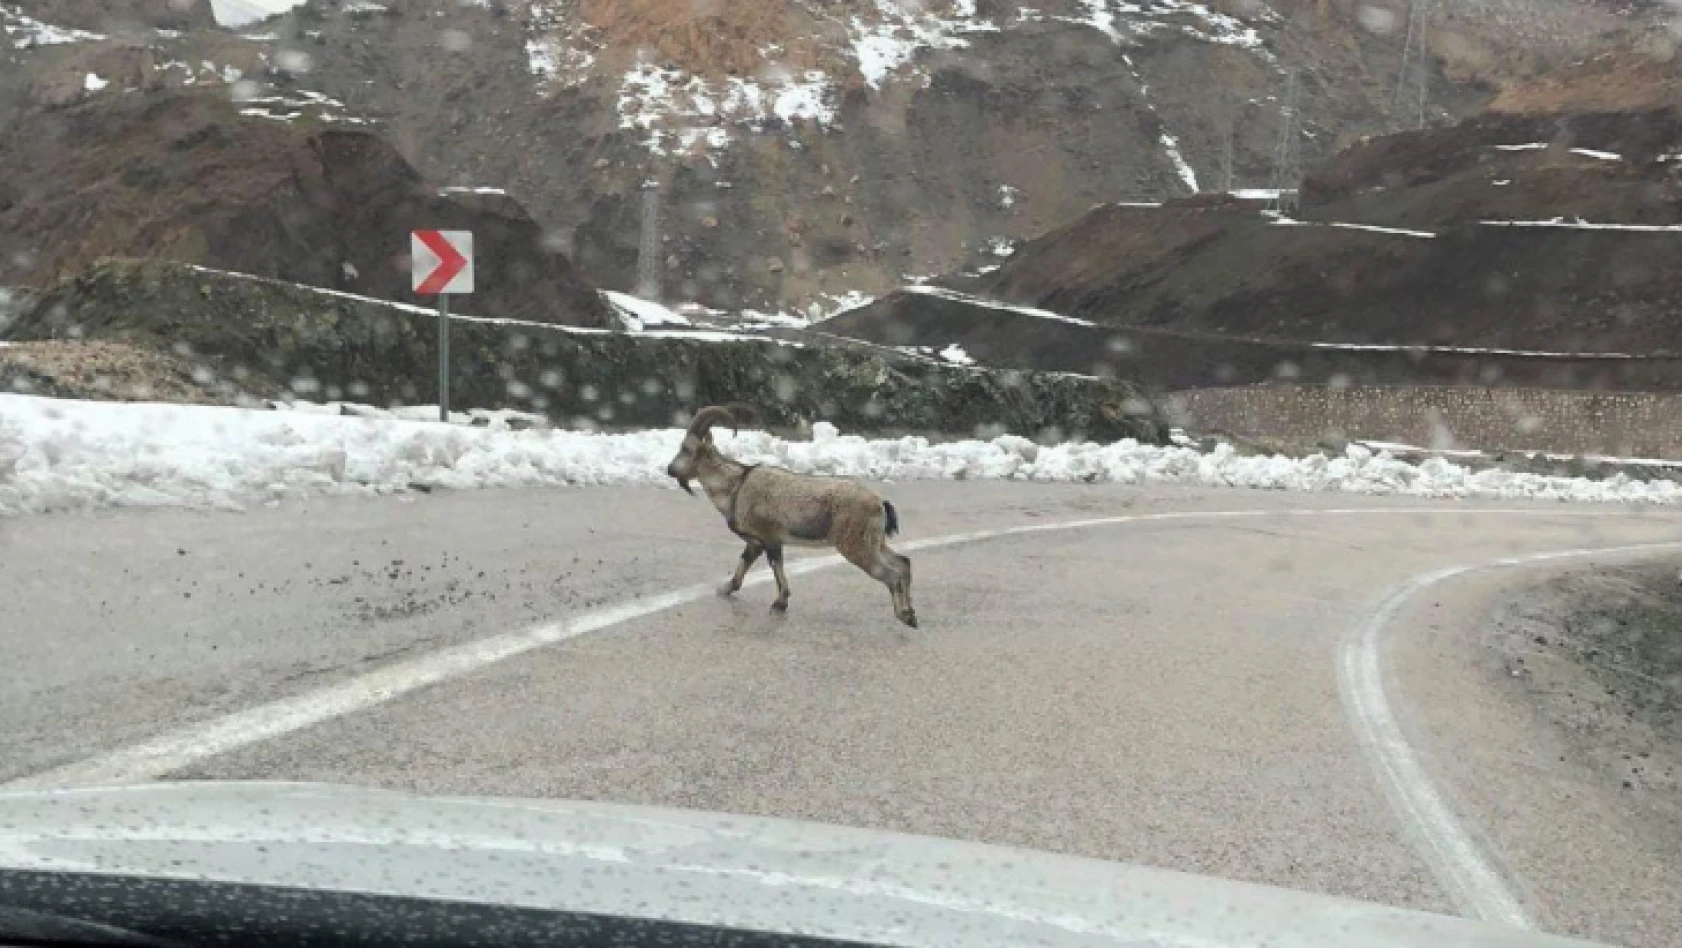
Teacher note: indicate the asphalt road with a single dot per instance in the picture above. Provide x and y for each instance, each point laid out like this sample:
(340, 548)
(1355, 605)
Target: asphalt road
(1278, 688)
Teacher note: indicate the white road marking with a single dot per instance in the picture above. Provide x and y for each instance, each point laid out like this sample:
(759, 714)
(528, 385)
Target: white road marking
(1468, 875)
(1450, 851)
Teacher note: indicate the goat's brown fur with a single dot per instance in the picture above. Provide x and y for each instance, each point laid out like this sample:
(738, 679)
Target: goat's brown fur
(770, 508)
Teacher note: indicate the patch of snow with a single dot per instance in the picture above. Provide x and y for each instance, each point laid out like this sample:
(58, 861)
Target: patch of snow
(1467, 350)
(273, 116)
(1560, 223)
(1171, 147)
(890, 42)
(1279, 220)
(237, 13)
(1373, 228)
(1126, 20)
(1602, 155)
(1007, 196)
(758, 319)
(956, 355)
(29, 33)
(1259, 194)
(499, 192)
(93, 83)
(62, 454)
(638, 314)
(1530, 146)
(1001, 246)
(955, 296)
(671, 104)
(1503, 182)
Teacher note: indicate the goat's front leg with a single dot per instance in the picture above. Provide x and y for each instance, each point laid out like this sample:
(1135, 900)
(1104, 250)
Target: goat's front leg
(750, 555)
(775, 555)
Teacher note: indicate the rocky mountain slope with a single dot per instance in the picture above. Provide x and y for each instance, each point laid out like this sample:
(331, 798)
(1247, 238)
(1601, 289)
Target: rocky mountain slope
(779, 153)
(274, 187)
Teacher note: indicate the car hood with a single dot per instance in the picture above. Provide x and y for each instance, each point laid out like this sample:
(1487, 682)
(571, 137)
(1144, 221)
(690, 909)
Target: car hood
(682, 866)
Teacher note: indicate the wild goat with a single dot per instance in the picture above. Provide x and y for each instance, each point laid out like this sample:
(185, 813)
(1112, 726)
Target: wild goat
(769, 507)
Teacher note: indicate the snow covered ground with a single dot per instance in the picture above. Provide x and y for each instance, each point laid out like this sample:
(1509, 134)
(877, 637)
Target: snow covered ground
(64, 455)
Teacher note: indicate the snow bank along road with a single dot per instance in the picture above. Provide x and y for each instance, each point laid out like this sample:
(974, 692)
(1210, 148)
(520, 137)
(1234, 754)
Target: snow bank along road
(1279, 687)
(58, 454)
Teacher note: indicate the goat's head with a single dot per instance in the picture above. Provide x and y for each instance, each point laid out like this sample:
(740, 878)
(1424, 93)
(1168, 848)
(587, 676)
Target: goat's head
(697, 440)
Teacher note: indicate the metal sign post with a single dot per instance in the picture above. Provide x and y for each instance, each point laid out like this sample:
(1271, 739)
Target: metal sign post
(443, 357)
(441, 263)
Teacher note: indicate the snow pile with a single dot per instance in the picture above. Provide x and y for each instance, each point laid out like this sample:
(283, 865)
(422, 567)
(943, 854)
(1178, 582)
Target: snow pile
(60, 454)
(28, 33)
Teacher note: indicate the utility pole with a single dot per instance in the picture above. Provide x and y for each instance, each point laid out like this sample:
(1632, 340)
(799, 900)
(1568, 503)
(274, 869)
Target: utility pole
(1287, 157)
(650, 257)
(1414, 65)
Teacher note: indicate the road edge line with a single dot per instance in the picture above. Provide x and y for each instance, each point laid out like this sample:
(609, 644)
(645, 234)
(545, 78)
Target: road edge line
(1453, 854)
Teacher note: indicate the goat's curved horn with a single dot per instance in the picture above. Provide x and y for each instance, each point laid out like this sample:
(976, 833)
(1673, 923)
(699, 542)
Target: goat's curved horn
(709, 416)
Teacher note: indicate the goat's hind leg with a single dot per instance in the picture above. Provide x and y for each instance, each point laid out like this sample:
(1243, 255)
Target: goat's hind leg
(750, 555)
(774, 554)
(900, 566)
(891, 570)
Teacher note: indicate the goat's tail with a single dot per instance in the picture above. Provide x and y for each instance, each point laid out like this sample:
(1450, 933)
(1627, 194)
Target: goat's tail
(892, 528)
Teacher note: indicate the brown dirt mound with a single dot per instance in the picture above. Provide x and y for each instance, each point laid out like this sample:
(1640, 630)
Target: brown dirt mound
(1167, 360)
(184, 176)
(1223, 268)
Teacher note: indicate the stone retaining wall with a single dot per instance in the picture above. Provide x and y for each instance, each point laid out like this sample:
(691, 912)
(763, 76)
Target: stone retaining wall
(1621, 424)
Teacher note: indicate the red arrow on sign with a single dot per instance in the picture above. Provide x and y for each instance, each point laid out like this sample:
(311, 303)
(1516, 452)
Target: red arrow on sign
(450, 262)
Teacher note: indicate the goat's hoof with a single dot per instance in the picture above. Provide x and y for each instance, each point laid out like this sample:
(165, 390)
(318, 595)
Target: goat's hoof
(910, 619)
(779, 607)
(726, 591)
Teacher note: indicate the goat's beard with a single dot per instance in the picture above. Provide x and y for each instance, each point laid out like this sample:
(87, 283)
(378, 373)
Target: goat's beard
(683, 482)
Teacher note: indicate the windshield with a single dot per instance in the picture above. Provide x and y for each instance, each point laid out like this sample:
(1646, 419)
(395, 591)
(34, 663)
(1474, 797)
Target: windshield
(1234, 437)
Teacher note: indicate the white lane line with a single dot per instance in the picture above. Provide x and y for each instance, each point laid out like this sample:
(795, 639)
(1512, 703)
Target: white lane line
(1470, 878)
